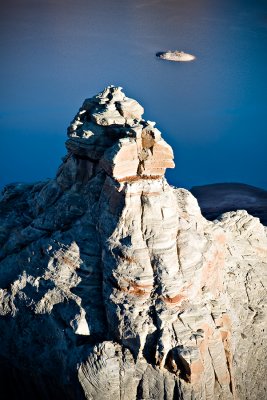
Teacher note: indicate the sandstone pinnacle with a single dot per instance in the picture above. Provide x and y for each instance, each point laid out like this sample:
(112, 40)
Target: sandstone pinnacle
(114, 286)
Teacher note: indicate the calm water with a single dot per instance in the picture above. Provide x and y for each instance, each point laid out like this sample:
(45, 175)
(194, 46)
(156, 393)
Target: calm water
(54, 53)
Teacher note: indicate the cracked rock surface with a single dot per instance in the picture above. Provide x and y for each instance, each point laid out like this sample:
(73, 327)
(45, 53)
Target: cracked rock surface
(114, 286)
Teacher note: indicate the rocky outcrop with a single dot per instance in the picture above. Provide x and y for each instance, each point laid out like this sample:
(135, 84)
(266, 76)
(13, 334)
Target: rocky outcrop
(114, 286)
(109, 129)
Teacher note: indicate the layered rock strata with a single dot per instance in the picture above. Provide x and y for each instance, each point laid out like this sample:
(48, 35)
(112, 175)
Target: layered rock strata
(109, 130)
(114, 286)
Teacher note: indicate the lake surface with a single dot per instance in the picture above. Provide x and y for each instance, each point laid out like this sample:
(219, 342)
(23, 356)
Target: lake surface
(213, 111)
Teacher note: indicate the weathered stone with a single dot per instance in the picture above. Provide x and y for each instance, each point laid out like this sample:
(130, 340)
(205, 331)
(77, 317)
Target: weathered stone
(130, 109)
(115, 286)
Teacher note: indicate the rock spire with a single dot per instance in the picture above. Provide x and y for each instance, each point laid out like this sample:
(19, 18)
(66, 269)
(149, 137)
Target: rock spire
(109, 127)
(114, 286)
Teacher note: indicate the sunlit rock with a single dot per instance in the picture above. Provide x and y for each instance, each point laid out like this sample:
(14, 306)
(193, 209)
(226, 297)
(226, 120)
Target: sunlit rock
(113, 284)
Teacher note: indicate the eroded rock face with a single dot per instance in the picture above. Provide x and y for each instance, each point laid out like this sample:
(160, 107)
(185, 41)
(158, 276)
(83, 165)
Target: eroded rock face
(114, 286)
(109, 127)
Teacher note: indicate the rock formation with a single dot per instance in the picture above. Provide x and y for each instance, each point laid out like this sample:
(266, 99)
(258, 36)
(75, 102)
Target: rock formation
(114, 286)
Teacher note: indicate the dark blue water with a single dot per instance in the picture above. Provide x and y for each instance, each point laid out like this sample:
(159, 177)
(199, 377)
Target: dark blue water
(213, 111)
